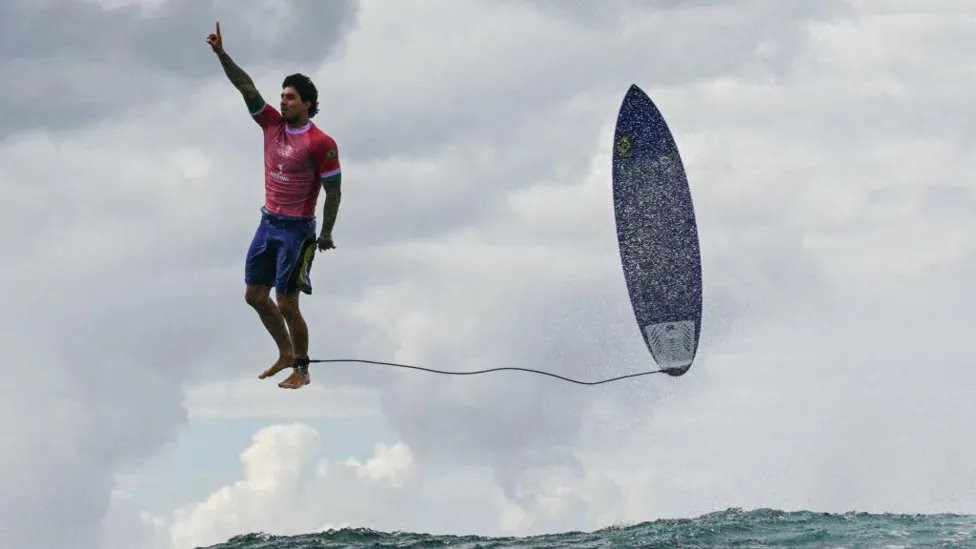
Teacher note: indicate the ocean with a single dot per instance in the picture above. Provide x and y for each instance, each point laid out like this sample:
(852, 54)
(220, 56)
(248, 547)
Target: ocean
(761, 528)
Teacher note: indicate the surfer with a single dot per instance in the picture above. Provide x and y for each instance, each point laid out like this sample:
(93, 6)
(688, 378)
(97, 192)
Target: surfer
(298, 157)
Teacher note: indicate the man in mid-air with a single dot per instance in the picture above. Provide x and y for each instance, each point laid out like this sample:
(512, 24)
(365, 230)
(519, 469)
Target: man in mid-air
(298, 157)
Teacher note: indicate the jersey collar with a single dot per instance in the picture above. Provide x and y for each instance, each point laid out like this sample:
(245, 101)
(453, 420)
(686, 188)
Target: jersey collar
(303, 129)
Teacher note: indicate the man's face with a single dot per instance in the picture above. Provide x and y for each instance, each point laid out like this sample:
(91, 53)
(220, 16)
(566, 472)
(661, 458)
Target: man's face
(292, 106)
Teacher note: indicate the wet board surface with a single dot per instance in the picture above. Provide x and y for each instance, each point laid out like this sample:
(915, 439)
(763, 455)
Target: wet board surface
(657, 233)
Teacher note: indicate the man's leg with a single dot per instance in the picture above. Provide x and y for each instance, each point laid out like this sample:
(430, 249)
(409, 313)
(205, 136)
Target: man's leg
(259, 297)
(288, 305)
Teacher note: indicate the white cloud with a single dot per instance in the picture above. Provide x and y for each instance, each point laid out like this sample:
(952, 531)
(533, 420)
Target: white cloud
(275, 470)
(245, 398)
(390, 464)
(288, 488)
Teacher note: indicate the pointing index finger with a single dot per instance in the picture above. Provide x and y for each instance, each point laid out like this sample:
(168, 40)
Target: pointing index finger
(218, 29)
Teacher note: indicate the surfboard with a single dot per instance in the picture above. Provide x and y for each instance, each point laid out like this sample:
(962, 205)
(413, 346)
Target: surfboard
(657, 233)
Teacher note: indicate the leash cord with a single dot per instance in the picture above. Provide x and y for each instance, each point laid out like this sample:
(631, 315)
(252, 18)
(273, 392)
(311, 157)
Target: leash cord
(305, 362)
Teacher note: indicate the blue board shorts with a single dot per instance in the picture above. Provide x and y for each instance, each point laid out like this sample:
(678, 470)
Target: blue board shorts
(281, 253)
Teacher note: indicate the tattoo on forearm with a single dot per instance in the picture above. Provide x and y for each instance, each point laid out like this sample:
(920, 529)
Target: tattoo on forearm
(238, 77)
(332, 200)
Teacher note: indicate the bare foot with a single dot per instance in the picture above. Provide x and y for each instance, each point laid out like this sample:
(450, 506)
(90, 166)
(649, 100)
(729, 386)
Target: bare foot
(298, 379)
(283, 362)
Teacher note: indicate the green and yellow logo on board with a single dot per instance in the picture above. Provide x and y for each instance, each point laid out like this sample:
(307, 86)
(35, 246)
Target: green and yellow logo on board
(624, 146)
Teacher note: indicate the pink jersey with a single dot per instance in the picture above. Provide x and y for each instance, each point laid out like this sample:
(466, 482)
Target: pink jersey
(295, 162)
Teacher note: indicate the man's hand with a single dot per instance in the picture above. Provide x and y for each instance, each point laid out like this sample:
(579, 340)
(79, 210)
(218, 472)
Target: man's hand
(215, 40)
(325, 242)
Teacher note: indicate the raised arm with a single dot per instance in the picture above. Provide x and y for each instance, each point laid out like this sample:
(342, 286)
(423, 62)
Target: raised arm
(235, 74)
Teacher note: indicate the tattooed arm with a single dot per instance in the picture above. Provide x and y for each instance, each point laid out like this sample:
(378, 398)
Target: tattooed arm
(235, 74)
(333, 196)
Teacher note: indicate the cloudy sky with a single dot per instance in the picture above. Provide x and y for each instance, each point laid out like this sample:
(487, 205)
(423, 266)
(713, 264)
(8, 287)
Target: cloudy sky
(830, 149)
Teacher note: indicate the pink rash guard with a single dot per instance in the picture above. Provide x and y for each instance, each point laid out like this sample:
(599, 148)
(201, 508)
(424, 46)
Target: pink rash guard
(296, 160)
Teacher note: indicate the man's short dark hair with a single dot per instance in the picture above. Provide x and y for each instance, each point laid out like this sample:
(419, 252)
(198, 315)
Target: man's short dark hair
(306, 90)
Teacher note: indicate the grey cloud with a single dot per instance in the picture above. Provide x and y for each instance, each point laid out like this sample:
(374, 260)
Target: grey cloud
(713, 39)
(71, 63)
(524, 119)
(99, 391)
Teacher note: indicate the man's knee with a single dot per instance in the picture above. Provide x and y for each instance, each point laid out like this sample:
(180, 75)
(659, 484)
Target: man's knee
(257, 296)
(288, 305)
